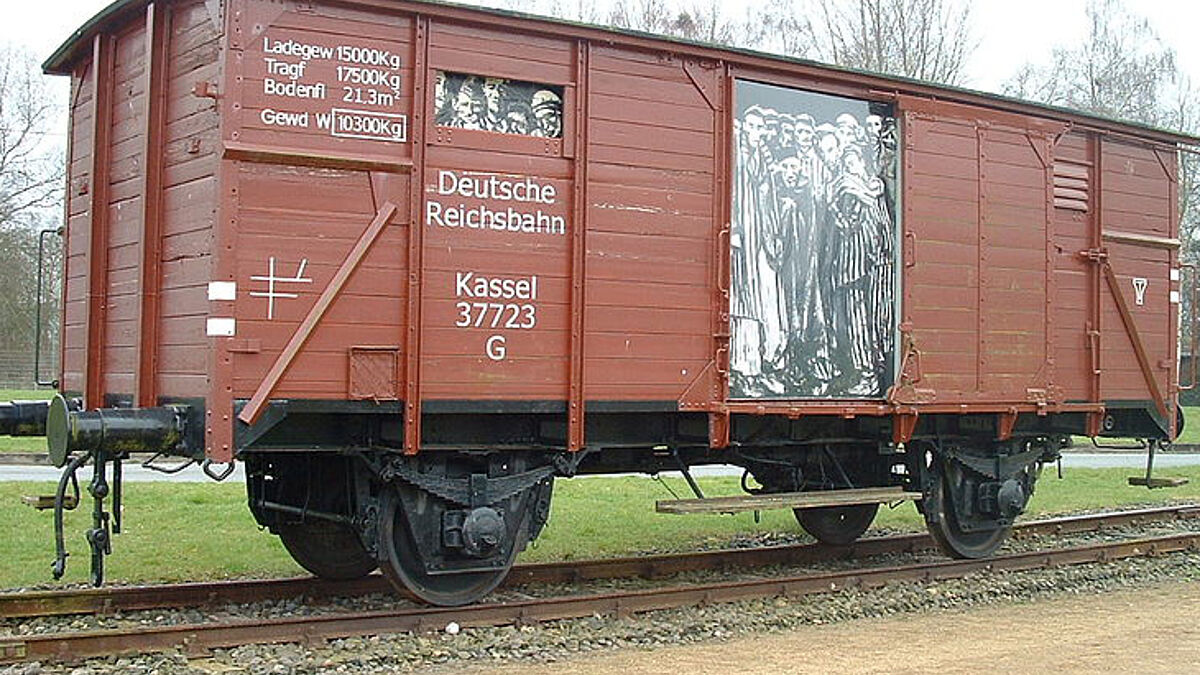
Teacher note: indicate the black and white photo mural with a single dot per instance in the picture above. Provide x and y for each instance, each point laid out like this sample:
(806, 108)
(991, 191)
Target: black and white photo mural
(497, 104)
(813, 244)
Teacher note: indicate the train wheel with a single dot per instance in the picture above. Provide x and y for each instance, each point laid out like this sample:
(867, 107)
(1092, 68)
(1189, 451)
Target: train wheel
(406, 568)
(328, 550)
(947, 481)
(837, 525)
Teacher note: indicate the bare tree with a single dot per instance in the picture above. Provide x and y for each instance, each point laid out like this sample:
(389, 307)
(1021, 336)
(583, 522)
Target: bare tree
(30, 169)
(922, 39)
(1121, 70)
(1124, 71)
(30, 193)
(584, 11)
(699, 21)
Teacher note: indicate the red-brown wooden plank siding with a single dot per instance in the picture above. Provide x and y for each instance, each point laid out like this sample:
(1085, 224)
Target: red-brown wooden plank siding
(325, 211)
(651, 229)
(125, 211)
(189, 166)
(185, 155)
(74, 338)
(632, 292)
(941, 222)
(979, 283)
(455, 359)
(98, 227)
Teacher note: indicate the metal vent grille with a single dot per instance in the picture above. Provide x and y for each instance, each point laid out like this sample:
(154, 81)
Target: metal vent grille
(1071, 185)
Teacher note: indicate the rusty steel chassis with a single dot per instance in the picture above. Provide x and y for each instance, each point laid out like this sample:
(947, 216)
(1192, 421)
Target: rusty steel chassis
(199, 638)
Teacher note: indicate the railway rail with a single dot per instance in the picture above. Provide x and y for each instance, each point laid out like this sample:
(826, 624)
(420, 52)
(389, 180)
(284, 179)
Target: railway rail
(200, 638)
(135, 598)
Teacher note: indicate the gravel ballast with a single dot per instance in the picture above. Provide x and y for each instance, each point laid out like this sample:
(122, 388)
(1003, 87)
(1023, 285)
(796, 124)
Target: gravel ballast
(557, 640)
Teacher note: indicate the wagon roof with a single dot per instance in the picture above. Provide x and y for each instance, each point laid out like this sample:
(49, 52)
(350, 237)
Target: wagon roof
(115, 14)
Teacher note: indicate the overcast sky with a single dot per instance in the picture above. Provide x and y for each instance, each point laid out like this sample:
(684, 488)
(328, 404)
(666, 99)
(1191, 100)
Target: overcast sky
(1010, 32)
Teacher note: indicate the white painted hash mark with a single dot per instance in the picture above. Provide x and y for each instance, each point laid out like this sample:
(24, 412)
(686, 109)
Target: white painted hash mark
(270, 294)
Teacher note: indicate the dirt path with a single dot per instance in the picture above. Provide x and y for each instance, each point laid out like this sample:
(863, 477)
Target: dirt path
(1147, 631)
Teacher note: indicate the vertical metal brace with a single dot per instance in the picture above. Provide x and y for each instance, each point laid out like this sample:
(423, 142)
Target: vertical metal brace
(1045, 152)
(219, 423)
(575, 393)
(1173, 227)
(1096, 199)
(904, 424)
(719, 417)
(103, 65)
(412, 317)
(154, 109)
(982, 360)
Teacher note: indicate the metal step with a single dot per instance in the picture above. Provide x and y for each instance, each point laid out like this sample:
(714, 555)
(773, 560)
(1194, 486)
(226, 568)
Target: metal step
(785, 500)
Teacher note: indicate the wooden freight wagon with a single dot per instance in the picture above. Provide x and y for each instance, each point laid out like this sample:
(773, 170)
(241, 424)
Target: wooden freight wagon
(410, 261)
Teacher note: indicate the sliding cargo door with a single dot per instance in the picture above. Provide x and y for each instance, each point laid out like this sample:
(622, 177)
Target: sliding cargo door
(977, 264)
(1139, 289)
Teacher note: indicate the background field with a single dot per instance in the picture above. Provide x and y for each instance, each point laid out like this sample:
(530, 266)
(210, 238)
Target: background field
(204, 531)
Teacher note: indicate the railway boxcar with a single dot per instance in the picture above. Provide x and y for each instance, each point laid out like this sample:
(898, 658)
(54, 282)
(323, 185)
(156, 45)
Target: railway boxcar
(409, 262)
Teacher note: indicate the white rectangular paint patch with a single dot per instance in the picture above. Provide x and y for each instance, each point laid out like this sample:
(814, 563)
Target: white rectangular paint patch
(222, 290)
(1174, 274)
(1174, 297)
(221, 327)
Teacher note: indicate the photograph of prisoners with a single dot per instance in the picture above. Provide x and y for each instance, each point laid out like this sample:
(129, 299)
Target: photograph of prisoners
(813, 245)
(498, 104)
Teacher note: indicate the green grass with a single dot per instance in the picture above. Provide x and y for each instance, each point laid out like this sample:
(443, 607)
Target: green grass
(23, 443)
(203, 531)
(1191, 426)
(25, 394)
